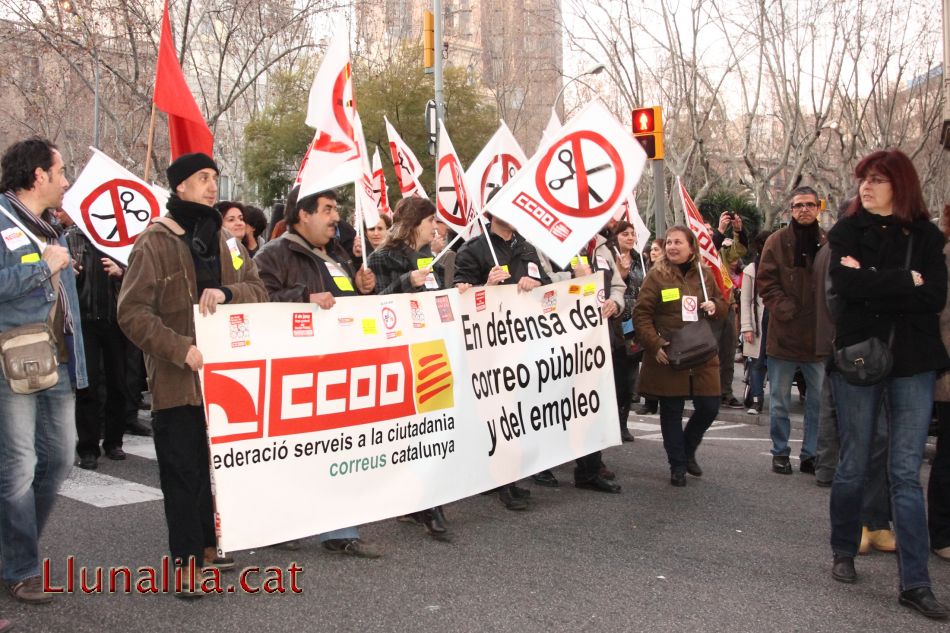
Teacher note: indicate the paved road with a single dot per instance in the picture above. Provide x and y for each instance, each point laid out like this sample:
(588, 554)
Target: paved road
(740, 549)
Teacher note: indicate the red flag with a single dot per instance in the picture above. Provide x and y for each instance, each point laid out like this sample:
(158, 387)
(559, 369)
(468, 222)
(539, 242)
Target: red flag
(187, 129)
(710, 255)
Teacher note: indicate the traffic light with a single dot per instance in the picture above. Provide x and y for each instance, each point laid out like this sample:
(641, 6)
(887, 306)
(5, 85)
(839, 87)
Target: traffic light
(648, 129)
(428, 39)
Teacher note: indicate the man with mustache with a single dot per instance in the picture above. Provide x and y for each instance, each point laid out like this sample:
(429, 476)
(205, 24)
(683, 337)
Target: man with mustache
(307, 264)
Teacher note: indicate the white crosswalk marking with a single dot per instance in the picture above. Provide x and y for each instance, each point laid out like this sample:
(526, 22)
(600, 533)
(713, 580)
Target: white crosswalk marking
(105, 491)
(140, 446)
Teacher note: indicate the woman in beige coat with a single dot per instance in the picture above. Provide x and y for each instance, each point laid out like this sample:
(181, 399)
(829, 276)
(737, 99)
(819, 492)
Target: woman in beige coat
(662, 308)
(752, 328)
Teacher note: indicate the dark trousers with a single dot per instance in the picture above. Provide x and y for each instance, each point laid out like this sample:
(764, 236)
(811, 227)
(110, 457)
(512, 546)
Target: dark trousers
(181, 446)
(587, 467)
(134, 381)
(680, 443)
(725, 332)
(938, 488)
(104, 402)
(622, 384)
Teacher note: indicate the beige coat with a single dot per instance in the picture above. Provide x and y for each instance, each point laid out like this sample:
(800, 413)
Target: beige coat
(156, 307)
(750, 320)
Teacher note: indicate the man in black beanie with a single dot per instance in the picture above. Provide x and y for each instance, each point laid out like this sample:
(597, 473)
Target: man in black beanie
(182, 259)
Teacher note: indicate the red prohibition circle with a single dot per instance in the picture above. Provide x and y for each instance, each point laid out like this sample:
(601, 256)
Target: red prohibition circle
(461, 201)
(389, 318)
(506, 162)
(584, 209)
(689, 304)
(111, 188)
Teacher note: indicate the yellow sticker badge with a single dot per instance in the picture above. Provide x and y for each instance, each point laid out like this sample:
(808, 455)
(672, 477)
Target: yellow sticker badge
(423, 262)
(30, 258)
(369, 326)
(670, 294)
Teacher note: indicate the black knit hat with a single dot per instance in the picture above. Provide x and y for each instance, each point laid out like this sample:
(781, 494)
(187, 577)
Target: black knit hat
(186, 165)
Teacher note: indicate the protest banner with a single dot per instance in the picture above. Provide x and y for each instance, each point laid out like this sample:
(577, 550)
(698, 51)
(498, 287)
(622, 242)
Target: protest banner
(385, 405)
(380, 195)
(573, 185)
(112, 206)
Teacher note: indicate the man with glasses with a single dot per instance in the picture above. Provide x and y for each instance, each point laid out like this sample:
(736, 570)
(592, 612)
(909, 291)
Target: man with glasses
(786, 280)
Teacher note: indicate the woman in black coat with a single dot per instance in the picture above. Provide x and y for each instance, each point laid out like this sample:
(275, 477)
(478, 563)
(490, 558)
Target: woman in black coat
(883, 297)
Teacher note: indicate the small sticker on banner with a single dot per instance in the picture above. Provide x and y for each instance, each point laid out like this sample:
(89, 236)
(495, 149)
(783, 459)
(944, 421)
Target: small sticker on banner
(670, 294)
(533, 270)
(417, 313)
(240, 331)
(479, 301)
(303, 324)
(14, 238)
(30, 258)
(369, 326)
(445, 308)
(573, 290)
(549, 302)
(590, 289)
(690, 312)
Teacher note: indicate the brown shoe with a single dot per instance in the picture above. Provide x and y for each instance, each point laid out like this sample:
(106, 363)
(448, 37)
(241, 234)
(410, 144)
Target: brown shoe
(883, 540)
(29, 590)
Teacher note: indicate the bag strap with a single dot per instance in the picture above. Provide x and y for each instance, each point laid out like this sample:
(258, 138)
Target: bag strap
(910, 246)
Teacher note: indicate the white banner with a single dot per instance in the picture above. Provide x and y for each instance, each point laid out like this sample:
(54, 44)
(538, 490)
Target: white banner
(573, 184)
(112, 206)
(385, 405)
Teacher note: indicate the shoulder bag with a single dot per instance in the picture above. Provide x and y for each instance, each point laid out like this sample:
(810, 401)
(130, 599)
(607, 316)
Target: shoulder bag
(868, 362)
(28, 352)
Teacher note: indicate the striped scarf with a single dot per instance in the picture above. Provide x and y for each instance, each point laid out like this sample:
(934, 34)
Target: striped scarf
(42, 229)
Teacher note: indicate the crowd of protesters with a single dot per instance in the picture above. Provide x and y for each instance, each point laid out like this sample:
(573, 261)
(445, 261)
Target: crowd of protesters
(798, 301)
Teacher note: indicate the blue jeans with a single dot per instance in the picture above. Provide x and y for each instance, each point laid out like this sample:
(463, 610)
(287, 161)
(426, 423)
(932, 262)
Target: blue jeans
(758, 367)
(680, 443)
(908, 405)
(781, 375)
(350, 532)
(37, 440)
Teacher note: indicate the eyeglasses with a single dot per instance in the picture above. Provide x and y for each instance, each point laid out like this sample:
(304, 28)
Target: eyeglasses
(801, 206)
(872, 180)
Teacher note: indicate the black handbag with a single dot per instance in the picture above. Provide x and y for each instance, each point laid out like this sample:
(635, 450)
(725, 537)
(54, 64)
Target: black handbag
(870, 361)
(692, 345)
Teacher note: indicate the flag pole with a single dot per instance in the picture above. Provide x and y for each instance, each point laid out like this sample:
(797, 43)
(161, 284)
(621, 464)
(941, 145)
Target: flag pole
(488, 239)
(148, 145)
(702, 278)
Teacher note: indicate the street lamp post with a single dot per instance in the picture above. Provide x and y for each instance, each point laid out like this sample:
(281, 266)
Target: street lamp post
(594, 70)
(69, 7)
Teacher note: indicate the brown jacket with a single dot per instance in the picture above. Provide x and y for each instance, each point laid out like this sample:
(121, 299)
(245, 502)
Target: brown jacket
(654, 319)
(291, 270)
(789, 295)
(155, 307)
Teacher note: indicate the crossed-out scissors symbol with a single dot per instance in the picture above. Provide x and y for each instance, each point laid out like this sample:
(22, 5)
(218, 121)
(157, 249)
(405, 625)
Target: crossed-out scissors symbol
(126, 197)
(566, 157)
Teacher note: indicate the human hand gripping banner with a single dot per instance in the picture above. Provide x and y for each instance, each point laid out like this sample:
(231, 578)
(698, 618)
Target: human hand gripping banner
(385, 405)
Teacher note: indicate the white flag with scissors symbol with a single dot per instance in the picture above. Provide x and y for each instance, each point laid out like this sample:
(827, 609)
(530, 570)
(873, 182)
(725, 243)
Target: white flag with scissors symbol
(112, 206)
(573, 184)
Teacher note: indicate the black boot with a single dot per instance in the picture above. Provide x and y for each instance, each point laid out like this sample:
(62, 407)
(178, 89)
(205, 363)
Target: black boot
(435, 526)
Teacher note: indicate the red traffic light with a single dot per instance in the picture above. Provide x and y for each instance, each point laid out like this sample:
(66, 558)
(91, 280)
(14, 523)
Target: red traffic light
(643, 121)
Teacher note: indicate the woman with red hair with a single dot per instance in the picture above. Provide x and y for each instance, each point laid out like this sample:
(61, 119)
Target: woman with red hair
(888, 270)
